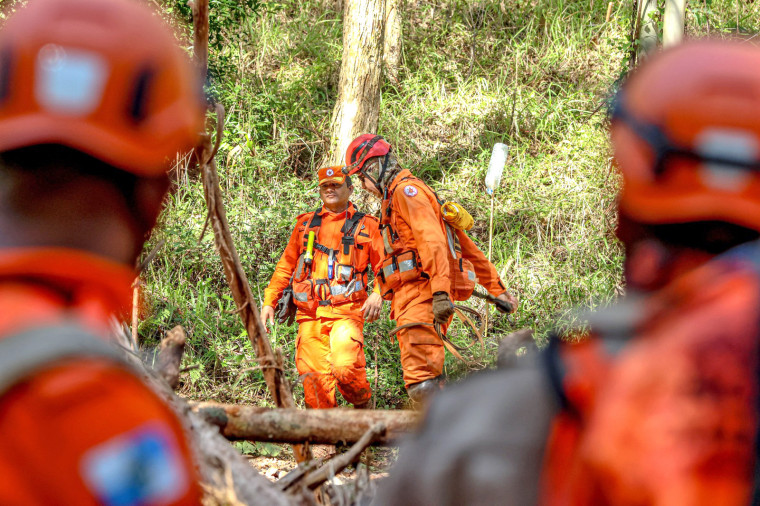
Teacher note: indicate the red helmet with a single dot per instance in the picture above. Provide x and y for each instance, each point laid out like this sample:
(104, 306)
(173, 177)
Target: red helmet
(104, 77)
(686, 134)
(363, 148)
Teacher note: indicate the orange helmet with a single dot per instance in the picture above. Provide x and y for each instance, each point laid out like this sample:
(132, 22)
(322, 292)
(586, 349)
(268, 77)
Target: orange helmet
(686, 134)
(363, 148)
(104, 77)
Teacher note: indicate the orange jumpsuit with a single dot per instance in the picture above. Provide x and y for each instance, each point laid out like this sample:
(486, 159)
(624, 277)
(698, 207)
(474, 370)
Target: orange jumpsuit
(63, 427)
(415, 218)
(671, 418)
(330, 341)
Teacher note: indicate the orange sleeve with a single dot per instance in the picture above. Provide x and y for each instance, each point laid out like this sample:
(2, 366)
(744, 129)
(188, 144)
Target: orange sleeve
(418, 213)
(63, 429)
(376, 248)
(284, 269)
(485, 270)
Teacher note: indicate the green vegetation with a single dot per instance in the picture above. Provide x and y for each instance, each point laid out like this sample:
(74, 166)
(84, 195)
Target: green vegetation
(540, 77)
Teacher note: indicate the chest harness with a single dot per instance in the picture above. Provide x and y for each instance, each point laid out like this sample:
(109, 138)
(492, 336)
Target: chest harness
(344, 282)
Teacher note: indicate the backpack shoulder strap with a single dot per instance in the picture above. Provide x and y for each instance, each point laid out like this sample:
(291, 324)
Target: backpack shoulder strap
(31, 350)
(316, 219)
(349, 226)
(312, 223)
(349, 229)
(388, 196)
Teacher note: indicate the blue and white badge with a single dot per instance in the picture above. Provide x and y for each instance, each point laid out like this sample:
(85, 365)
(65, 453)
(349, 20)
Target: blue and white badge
(410, 191)
(69, 81)
(142, 466)
(330, 172)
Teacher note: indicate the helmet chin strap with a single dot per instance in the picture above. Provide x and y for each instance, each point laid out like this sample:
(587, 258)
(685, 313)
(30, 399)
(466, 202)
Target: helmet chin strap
(371, 180)
(379, 181)
(384, 167)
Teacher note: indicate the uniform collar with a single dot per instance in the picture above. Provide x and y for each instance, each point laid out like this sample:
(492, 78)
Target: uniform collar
(72, 272)
(350, 210)
(402, 174)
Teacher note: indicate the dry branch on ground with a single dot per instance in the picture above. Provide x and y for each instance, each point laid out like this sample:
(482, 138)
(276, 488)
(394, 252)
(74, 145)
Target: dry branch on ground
(319, 426)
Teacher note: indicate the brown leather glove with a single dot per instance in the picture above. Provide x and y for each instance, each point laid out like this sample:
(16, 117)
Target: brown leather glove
(442, 307)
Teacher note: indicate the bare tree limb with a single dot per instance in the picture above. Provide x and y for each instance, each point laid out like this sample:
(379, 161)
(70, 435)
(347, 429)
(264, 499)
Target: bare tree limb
(337, 464)
(170, 356)
(276, 382)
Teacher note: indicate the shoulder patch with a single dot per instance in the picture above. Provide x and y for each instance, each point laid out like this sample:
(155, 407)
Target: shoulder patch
(410, 191)
(138, 467)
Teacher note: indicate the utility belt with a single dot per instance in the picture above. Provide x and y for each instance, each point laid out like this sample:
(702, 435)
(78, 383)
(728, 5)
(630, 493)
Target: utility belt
(347, 285)
(399, 269)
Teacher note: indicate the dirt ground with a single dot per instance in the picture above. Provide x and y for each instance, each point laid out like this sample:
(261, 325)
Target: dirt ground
(378, 460)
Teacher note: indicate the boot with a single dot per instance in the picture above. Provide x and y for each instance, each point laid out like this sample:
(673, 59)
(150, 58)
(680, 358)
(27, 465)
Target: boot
(421, 393)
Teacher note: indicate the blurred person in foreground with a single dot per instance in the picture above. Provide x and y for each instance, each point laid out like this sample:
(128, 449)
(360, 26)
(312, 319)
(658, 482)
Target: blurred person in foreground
(427, 263)
(328, 276)
(95, 101)
(659, 406)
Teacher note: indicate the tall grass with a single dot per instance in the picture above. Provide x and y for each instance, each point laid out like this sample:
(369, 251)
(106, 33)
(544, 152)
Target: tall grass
(535, 75)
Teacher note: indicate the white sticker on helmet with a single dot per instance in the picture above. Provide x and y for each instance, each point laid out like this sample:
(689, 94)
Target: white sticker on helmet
(731, 144)
(330, 172)
(69, 81)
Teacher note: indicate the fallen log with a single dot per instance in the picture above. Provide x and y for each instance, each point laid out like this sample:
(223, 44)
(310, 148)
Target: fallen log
(226, 477)
(319, 426)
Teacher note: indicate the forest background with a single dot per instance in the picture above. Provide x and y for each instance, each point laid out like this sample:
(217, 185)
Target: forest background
(534, 74)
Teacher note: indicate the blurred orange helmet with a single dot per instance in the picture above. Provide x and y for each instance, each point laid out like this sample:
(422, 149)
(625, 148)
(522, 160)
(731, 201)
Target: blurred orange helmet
(686, 135)
(105, 77)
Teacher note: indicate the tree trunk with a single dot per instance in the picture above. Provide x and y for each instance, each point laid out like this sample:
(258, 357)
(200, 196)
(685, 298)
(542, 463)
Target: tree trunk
(358, 107)
(322, 426)
(393, 39)
(672, 23)
(647, 28)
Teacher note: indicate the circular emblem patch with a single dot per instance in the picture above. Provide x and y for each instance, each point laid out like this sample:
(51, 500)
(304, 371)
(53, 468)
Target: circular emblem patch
(330, 172)
(410, 190)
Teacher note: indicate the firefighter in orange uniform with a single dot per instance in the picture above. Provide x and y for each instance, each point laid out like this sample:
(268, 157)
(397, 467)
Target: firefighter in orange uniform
(95, 96)
(426, 264)
(660, 405)
(328, 275)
